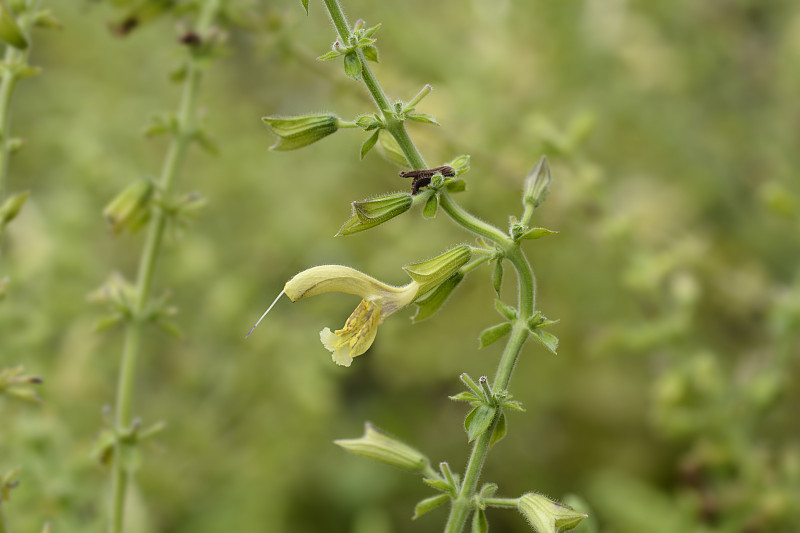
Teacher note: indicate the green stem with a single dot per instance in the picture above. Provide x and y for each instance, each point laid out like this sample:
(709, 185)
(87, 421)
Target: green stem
(14, 59)
(3, 528)
(462, 504)
(504, 503)
(144, 280)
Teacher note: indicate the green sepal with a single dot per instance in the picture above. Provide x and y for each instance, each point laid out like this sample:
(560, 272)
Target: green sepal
(431, 205)
(494, 334)
(352, 65)
(369, 32)
(460, 164)
(536, 233)
(422, 117)
(160, 124)
(44, 18)
(499, 430)
(504, 309)
(10, 32)
(369, 122)
(479, 522)
(546, 515)
(438, 484)
(330, 55)
(457, 186)
(11, 207)
(297, 132)
(305, 5)
(429, 504)
(513, 404)
(108, 322)
(369, 143)
(497, 276)
(371, 53)
(478, 420)
(370, 213)
(537, 185)
(433, 301)
(128, 206)
(390, 149)
(467, 380)
(465, 396)
(488, 490)
(433, 272)
(546, 339)
(380, 446)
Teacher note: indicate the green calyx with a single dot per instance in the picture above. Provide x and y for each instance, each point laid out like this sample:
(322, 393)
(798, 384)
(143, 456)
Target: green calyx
(370, 213)
(130, 208)
(546, 515)
(297, 132)
(377, 445)
(433, 272)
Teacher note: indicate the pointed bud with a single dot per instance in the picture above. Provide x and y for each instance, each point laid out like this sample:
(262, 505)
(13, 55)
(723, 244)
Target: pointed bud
(537, 184)
(11, 207)
(377, 445)
(10, 32)
(370, 213)
(129, 205)
(546, 515)
(433, 272)
(297, 132)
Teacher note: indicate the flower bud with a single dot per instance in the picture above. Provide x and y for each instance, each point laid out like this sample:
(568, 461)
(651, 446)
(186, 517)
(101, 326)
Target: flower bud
(433, 272)
(370, 213)
(377, 445)
(10, 32)
(129, 205)
(546, 515)
(537, 184)
(11, 207)
(297, 132)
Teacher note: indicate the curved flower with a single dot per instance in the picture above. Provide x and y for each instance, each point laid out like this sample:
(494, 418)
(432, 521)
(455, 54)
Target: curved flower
(379, 300)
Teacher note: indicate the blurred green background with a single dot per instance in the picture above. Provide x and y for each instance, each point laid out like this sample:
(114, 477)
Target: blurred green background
(672, 132)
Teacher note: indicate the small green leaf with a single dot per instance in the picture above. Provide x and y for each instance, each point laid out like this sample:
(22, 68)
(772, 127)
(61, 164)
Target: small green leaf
(537, 233)
(305, 5)
(548, 340)
(505, 309)
(108, 322)
(429, 211)
(465, 397)
(12, 206)
(497, 276)
(499, 430)
(438, 484)
(369, 143)
(422, 117)
(330, 55)
(206, 142)
(479, 523)
(429, 504)
(369, 32)
(45, 19)
(10, 32)
(432, 302)
(371, 53)
(478, 420)
(494, 333)
(352, 65)
(460, 164)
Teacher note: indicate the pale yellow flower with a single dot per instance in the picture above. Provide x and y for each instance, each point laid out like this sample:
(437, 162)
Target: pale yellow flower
(379, 300)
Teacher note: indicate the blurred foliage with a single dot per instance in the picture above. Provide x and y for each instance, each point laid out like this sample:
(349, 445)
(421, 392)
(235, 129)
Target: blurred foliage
(671, 131)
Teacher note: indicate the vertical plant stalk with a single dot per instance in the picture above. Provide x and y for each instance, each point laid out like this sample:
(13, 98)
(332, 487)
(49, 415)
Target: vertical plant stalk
(3, 528)
(123, 415)
(526, 281)
(8, 82)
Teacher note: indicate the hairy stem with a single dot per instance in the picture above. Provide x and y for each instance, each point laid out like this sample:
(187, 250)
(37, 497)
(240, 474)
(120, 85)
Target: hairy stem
(147, 262)
(462, 504)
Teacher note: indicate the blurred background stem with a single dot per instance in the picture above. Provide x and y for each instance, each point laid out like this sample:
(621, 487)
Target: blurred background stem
(184, 135)
(15, 60)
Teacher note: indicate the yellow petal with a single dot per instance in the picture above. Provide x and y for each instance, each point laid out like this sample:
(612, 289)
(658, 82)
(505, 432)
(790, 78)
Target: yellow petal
(338, 278)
